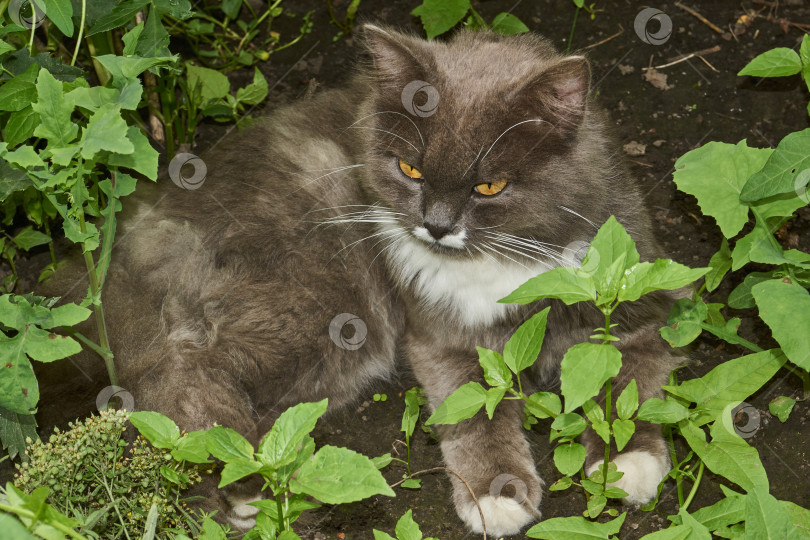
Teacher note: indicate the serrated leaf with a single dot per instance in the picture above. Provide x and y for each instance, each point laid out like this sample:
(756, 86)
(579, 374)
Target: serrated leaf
(439, 16)
(14, 429)
(584, 370)
(508, 25)
(158, 429)
(496, 372)
(539, 403)
(20, 91)
(125, 69)
(663, 274)
(407, 529)
(210, 84)
(192, 447)
(785, 308)
(777, 62)
(255, 92)
(60, 12)
(567, 425)
(279, 446)
(765, 517)
(522, 349)
(21, 125)
(571, 285)
(106, 130)
(54, 109)
(144, 158)
(779, 173)
(577, 528)
(227, 445)
(29, 238)
(610, 245)
(339, 475)
(460, 405)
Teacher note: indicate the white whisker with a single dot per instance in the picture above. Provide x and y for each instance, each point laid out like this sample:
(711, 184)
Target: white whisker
(507, 129)
(393, 112)
(591, 223)
(385, 131)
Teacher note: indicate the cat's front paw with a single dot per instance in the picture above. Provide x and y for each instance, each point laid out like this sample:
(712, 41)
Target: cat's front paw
(643, 471)
(503, 515)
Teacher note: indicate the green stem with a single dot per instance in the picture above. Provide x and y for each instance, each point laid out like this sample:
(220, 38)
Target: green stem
(608, 406)
(104, 353)
(50, 244)
(673, 456)
(52, 523)
(280, 508)
(694, 489)
(571, 35)
(81, 31)
(33, 28)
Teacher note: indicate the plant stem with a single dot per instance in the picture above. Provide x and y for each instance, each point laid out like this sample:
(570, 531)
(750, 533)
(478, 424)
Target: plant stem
(50, 244)
(81, 31)
(608, 406)
(53, 523)
(571, 35)
(87, 341)
(694, 489)
(280, 512)
(33, 28)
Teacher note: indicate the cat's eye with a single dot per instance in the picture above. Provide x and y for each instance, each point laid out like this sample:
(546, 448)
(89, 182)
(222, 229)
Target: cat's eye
(409, 170)
(490, 188)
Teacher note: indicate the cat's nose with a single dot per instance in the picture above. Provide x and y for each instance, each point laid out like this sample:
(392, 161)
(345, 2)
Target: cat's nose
(437, 231)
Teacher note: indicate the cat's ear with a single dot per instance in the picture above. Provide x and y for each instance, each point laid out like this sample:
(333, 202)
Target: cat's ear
(560, 92)
(397, 58)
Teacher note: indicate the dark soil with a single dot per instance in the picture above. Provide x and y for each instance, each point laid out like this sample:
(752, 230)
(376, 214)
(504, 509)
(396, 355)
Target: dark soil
(703, 101)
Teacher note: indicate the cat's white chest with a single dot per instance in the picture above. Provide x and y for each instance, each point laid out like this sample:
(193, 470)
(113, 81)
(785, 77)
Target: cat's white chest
(465, 289)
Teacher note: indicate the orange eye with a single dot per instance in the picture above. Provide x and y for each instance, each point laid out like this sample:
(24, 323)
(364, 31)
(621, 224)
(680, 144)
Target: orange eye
(409, 171)
(492, 188)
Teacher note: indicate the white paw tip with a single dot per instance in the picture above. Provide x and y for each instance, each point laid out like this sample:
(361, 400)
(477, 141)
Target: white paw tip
(241, 509)
(642, 473)
(504, 516)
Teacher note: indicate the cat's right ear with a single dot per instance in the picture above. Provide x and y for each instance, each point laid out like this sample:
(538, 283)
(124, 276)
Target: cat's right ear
(397, 58)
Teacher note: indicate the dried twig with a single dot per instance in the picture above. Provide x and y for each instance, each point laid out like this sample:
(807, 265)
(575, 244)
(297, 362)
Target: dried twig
(617, 34)
(701, 18)
(698, 54)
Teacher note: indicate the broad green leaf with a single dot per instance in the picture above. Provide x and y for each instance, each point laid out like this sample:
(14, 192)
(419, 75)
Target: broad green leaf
(584, 370)
(658, 411)
(106, 130)
(496, 372)
(571, 285)
(192, 447)
(120, 15)
(524, 346)
(20, 91)
(60, 12)
(575, 528)
(780, 171)
(663, 274)
(729, 383)
(130, 39)
(379, 535)
(236, 469)
(569, 458)
(719, 265)
(540, 402)
(741, 297)
(777, 62)
(158, 429)
(602, 428)
(562, 484)
(66, 315)
(54, 109)
(143, 160)
(686, 309)
(279, 446)
(13, 529)
(124, 69)
(29, 238)
(304, 452)
(14, 429)
(507, 24)
(765, 517)
(800, 517)
(460, 405)
(494, 396)
(781, 407)
(715, 174)
(785, 308)
(567, 425)
(611, 244)
(596, 504)
(227, 445)
(211, 84)
(727, 511)
(623, 430)
(255, 92)
(407, 529)
(5, 47)
(413, 402)
(627, 403)
(382, 461)
(21, 125)
(439, 16)
(154, 39)
(339, 475)
(11, 180)
(593, 411)
(741, 254)
(179, 9)
(25, 157)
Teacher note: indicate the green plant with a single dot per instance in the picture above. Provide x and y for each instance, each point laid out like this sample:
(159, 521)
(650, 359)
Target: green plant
(346, 25)
(406, 529)
(110, 490)
(782, 62)
(439, 16)
(286, 460)
(27, 517)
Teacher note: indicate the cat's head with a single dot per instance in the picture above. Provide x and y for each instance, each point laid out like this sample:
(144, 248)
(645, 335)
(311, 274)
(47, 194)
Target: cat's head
(481, 141)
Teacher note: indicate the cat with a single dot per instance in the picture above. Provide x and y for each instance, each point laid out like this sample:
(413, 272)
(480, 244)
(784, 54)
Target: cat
(378, 225)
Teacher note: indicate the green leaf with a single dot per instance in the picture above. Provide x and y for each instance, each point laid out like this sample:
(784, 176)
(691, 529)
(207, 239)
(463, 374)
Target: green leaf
(5, 47)
(211, 84)
(120, 15)
(21, 125)
(14, 529)
(663, 274)
(715, 174)
(571, 285)
(622, 431)
(569, 458)
(596, 505)
(279, 446)
(339, 475)
(54, 109)
(179, 9)
(143, 160)
(765, 517)
(494, 396)
(227, 445)
(785, 308)
(602, 428)
(719, 265)
(29, 238)
(781, 407)
(627, 403)
(741, 297)
(106, 130)
(154, 39)
(727, 511)
(779, 173)
(20, 91)
(460, 405)
(412, 483)
(575, 528)
(584, 370)
(439, 16)
(379, 535)
(11, 180)
(236, 469)
(130, 39)
(125, 69)
(538, 403)
(255, 92)
(14, 429)
(562, 484)
(24, 156)
(192, 447)
(407, 529)
(158, 429)
(804, 54)
(60, 12)
(611, 244)
(524, 346)
(777, 62)
(567, 425)
(658, 411)
(496, 372)
(593, 411)
(800, 517)
(413, 402)
(507, 24)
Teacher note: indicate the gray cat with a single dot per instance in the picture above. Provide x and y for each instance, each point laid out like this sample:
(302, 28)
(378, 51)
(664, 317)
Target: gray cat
(380, 222)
